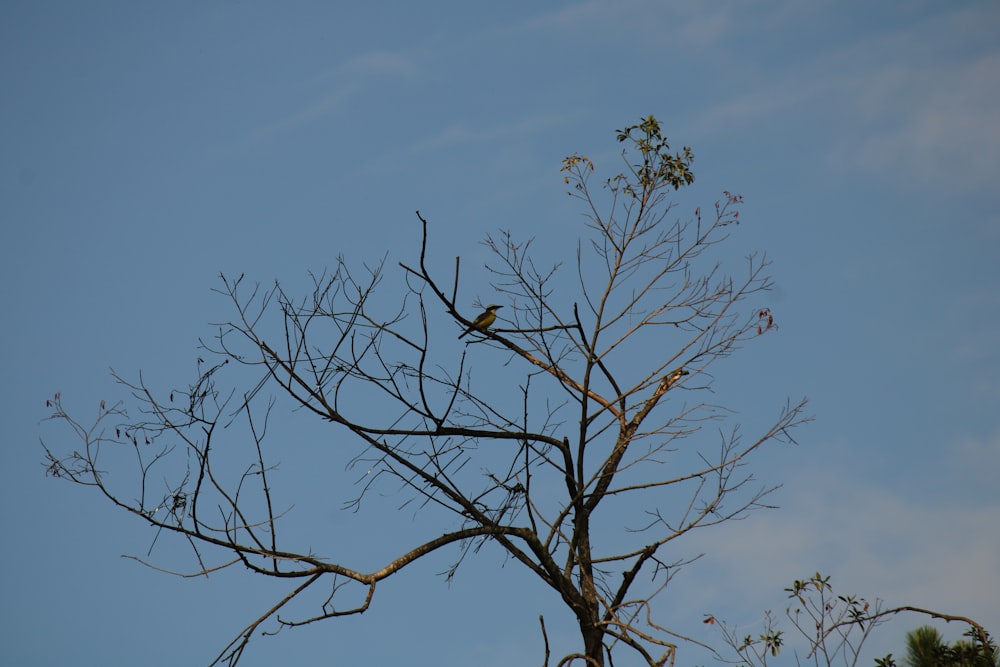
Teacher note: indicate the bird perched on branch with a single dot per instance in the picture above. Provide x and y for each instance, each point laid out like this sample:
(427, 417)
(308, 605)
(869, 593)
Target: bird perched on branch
(483, 320)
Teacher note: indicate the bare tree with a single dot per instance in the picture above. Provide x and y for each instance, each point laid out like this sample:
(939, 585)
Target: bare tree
(582, 444)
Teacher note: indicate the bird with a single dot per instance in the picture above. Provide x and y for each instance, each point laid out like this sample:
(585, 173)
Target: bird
(483, 320)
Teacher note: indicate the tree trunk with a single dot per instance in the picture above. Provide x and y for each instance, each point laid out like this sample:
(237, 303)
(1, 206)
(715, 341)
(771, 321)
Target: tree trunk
(593, 642)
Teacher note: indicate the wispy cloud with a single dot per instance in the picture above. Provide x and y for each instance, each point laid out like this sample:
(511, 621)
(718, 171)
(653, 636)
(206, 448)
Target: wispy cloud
(905, 549)
(572, 17)
(975, 462)
(462, 133)
(921, 110)
(677, 24)
(380, 63)
(333, 90)
(947, 129)
(325, 105)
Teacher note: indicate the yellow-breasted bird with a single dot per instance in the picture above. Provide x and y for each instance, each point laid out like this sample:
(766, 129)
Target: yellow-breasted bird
(483, 320)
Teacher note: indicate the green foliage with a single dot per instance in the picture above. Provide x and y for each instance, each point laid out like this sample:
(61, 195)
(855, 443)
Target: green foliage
(926, 648)
(802, 586)
(658, 166)
(769, 642)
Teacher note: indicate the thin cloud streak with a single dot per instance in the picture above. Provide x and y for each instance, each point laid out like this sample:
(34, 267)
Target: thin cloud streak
(382, 63)
(461, 133)
(339, 87)
(685, 27)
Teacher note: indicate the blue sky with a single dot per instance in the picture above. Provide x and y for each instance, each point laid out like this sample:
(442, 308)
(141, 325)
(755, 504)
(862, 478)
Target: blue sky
(147, 147)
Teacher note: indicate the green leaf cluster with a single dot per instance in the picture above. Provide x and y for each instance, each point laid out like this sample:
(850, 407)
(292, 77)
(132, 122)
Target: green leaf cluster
(659, 166)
